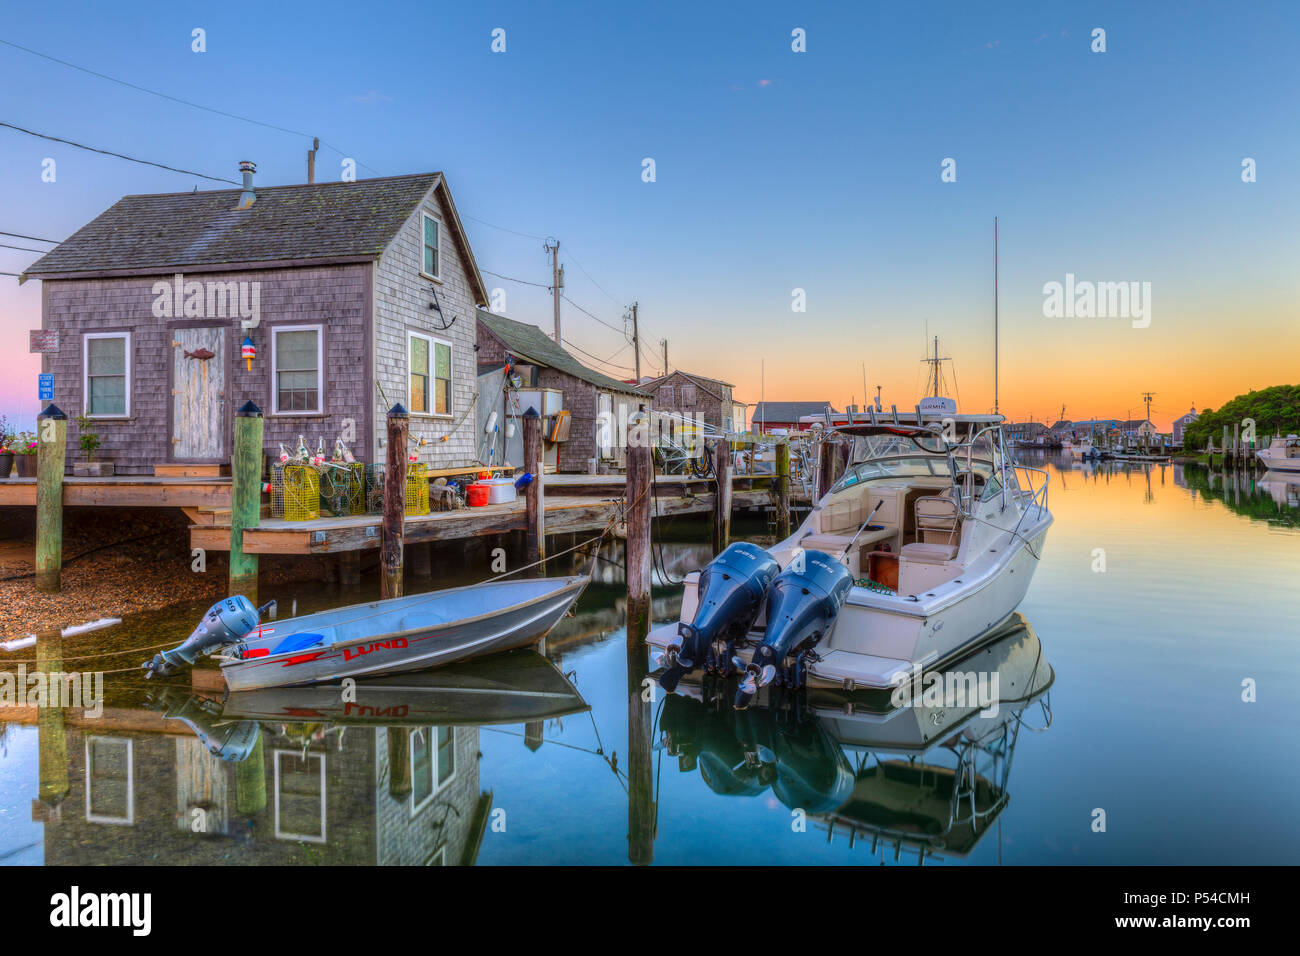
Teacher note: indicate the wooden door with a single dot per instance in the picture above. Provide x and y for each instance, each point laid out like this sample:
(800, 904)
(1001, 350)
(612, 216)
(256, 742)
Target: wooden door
(199, 379)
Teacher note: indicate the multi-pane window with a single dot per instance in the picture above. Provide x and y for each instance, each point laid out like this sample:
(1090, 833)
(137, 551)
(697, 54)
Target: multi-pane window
(297, 356)
(430, 375)
(108, 370)
(432, 259)
(688, 396)
(433, 762)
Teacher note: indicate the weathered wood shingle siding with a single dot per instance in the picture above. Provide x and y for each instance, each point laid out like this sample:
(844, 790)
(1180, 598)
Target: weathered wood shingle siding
(402, 299)
(335, 297)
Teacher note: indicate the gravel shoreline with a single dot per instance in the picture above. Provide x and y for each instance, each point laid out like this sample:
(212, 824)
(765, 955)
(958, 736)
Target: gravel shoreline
(116, 563)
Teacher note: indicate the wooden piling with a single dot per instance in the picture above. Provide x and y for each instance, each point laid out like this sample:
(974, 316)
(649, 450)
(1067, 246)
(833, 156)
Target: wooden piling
(827, 460)
(250, 781)
(245, 497)
(535, 533)
(393, 527)
(349, 569)
(51, 453)
(637, 561)
(782, 489)
(400, 781)
(51, 732)
(420, 560)
(722, 501)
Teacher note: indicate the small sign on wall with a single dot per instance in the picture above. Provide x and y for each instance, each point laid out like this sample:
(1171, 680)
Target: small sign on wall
(43, 340)
(46, 387)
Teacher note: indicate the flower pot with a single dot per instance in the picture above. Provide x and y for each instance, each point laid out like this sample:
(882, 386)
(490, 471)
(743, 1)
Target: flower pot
(6, 465)
(92, 469)
(26, 466)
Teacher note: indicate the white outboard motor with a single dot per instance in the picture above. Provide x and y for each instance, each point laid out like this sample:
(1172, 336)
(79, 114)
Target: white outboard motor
(802, 605)
(226, 622)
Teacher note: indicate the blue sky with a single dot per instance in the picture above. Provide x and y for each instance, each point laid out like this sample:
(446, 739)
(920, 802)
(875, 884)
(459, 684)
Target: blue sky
(775, 170)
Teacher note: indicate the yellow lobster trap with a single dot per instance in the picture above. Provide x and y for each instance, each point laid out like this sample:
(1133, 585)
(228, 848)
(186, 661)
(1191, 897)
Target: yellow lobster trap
(417, 489)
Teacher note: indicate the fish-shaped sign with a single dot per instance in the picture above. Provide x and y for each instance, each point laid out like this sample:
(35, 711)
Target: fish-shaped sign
(202, 354)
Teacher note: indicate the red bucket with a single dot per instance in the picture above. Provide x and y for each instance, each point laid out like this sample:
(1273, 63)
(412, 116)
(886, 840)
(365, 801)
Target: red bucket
(477, 494)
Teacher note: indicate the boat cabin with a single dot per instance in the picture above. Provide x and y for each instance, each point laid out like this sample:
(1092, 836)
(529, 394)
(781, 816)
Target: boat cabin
(905, 515)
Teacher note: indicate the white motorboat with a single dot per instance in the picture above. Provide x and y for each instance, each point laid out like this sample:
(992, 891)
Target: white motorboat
(1282, 454)
(918, 553)
(1081, 449)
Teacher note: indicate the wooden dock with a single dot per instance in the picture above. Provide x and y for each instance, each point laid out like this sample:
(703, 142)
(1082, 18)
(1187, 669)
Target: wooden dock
(573, 503)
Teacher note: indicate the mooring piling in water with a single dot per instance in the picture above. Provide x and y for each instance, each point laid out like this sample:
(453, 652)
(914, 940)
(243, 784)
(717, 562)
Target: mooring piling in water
(722, 502)
(51, 454)
(245, 497)
(637, 561)
(52, 735)
(535, 524)
(782, 482)
(393, 527)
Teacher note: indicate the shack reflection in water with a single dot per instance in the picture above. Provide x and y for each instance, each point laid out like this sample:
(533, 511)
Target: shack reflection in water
(385, 771)
(927, 779)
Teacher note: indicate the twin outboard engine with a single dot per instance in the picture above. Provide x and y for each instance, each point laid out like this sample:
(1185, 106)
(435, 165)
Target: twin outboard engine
(802, 605)
(730, 591)
(225, 623)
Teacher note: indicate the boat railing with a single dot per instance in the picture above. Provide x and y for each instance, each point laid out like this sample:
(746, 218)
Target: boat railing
(1033, 491)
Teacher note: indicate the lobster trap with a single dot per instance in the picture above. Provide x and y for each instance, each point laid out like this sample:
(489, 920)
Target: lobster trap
(295, 492)
(417, 489)
(342, 489)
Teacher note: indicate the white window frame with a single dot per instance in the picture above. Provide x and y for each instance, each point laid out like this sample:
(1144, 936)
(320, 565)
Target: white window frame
(85, 371)
(320, 370)
(324, 823)
(433, 364)
(432, 730)
(129, 819)
(436, 276)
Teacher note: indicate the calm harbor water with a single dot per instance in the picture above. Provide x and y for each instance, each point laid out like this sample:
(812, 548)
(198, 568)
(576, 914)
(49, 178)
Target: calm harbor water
(1161, 590)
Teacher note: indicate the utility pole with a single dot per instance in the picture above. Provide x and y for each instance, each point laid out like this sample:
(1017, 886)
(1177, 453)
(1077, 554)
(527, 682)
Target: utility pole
(636, 344)
(1146, 397)
(557, 283)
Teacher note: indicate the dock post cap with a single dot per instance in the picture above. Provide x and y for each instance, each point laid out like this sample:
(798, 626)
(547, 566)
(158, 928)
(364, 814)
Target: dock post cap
(249, 410)
(53, 411)
(531, 413)
(398, 411)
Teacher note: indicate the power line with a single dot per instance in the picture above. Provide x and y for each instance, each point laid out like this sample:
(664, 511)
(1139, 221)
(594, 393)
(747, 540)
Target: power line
(540, 285)
(5, 245)
(607, 361)
(589, 315)
(19, 235)
(177, 99)
(516, 232)
(109, 152)
(589, 276)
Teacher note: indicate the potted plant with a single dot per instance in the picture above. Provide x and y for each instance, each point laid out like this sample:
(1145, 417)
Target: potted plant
(24, 449)
(90, 441)
(6, 455)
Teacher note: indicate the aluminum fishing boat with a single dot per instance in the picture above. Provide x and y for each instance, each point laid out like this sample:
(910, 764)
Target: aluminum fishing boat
(917, 553)
(408, 633)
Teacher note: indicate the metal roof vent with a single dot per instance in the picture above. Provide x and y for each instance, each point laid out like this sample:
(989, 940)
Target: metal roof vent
(247, 197)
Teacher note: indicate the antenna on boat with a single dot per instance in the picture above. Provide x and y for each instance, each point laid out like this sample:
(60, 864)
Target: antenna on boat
(995, 315)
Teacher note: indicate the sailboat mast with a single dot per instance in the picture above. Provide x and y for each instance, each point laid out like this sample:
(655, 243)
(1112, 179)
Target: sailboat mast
(995, 315)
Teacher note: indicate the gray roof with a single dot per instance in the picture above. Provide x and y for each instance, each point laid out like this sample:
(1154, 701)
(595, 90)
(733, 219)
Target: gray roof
(160, 232)
(531, 344)
(787, 411)
(711, 385)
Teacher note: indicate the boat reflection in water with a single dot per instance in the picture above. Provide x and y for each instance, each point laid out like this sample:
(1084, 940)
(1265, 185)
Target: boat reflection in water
(928, 779)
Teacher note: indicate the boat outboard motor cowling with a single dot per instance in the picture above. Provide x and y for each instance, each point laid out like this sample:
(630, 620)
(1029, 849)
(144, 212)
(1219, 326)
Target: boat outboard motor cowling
(226, 622)
(730, 592)
(802, 605)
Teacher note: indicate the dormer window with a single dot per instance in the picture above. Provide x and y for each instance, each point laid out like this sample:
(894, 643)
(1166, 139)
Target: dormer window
(432, 264)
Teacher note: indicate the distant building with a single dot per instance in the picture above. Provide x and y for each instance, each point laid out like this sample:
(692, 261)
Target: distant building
(685, 393)
(769, 415)
(1025, 433)
(1181, 423)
